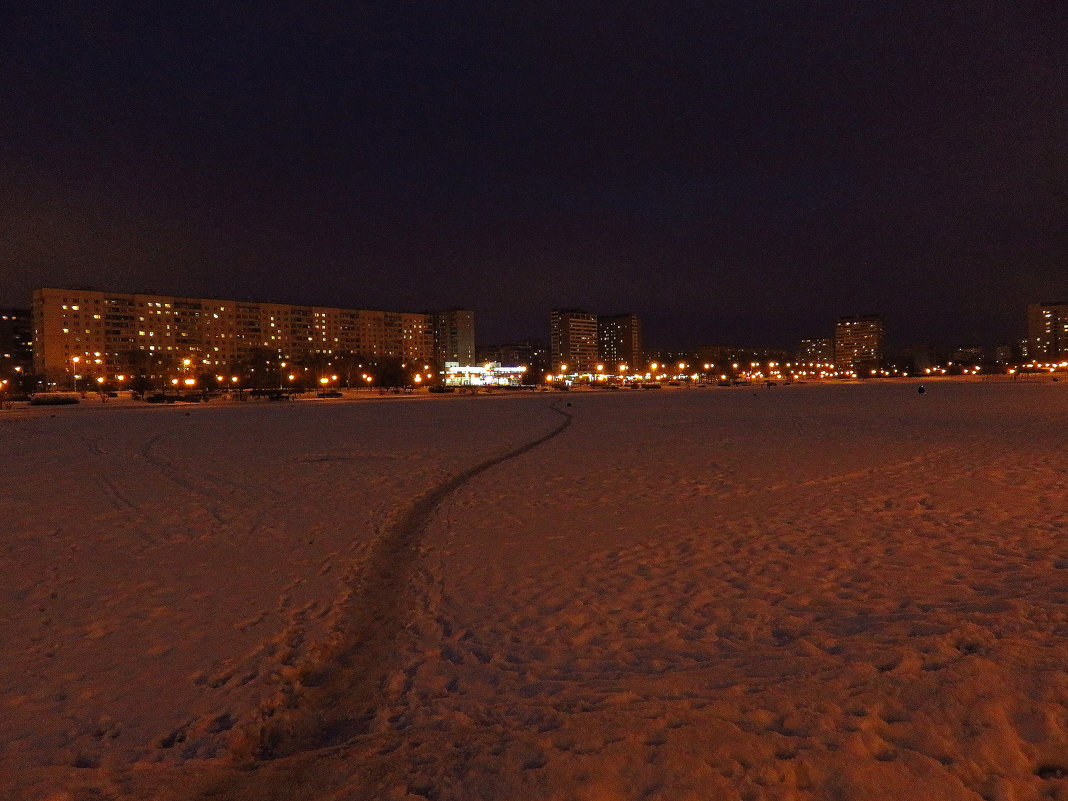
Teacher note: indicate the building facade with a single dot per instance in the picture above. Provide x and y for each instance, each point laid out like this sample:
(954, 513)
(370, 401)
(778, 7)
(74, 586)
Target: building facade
(1047, 331)
(530, 353)
(620, 342)
(105, 334)
(859, 342)
(573, 341)
(816, 352)
(16, 342)
(454, 336)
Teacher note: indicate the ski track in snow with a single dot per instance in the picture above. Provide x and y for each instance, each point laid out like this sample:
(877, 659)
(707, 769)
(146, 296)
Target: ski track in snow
(335, 695)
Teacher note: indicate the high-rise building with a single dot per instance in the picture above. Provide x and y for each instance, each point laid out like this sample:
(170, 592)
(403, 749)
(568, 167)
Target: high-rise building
(859, 342)
(103, 334)
(814, 352)
(16, 341)
(454, 336)
(620, 341)
(1047, 331)
(572, 341)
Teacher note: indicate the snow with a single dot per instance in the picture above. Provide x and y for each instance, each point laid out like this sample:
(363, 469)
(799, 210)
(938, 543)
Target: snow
(810, 592)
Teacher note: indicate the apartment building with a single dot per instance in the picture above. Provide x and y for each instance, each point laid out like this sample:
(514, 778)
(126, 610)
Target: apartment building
(454, 336)
(1047, 331)
(620, 341)
(16, 341)
(859, 342)
(104, 334)
(818, 351)
(573, 341)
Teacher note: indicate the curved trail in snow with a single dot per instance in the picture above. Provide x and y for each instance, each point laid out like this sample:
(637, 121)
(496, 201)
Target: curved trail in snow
(338, 693)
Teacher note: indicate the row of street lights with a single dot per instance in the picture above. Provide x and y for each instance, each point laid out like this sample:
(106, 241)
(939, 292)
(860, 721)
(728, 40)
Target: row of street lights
(186, 364)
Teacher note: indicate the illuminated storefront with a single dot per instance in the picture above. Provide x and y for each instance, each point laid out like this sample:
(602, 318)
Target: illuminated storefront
(487, 375)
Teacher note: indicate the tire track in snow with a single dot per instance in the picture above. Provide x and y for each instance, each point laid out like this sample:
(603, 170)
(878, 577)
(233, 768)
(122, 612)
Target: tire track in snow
(337, 694)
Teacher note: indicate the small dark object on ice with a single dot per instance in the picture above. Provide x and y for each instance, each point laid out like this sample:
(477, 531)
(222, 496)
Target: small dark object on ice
(921, 389)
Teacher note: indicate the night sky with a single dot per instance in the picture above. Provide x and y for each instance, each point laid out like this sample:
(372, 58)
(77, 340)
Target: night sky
(737, 172)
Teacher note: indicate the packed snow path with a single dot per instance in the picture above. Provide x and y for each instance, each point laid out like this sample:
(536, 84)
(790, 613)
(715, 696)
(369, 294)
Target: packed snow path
(336, 694)
(800, 593)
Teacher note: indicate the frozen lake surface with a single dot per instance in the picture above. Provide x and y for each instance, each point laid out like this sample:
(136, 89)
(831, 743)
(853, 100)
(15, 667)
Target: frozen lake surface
(806, 592)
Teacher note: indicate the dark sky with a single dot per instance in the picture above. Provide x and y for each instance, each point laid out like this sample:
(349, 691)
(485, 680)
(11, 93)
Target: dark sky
(737, 172)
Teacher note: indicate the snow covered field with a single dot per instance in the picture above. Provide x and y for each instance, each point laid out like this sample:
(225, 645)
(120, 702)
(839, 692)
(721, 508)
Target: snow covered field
(832, 593)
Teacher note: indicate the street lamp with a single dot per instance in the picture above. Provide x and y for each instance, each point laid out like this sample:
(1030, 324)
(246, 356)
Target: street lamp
(75, 360)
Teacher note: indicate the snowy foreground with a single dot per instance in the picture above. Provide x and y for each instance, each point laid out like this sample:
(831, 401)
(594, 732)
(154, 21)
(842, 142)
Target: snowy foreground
(831, 593)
